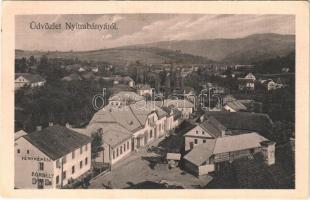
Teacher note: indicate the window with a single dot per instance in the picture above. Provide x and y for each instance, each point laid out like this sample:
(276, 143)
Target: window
(64, 159)
(41, 166)
(73, 169)
(73, 154)
(124, 147)
(113, 154)
(204, 141)
(81, 164)
(195, 141)
(196, 132)
(203, 132)
(57, 179)
(86, 161)
(86, 147)
(127, 145)
(121, 150)
(116, 152)
(18, 150)
(27, 151)
(151, 134)
(64, 175)
(81, 150)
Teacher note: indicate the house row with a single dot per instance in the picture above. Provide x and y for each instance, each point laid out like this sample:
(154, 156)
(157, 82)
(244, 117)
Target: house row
(56, 156)
(129, 97)
(224, 137)
(127, 128)
(271, 85)
(128, 123)
(28, 80)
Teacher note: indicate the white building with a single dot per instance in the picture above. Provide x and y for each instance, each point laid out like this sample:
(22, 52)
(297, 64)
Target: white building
(144, 89)
(126, 80)
(31, 80)
(185, 106)
(82, 69)
(205, 158)
(271, 85)
(51, 158)
(126, 128)
(250, 76)
(204, 131)
(125, 98)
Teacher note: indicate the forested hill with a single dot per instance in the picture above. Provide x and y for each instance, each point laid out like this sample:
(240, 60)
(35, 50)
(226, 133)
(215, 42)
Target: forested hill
(275, 65)
(122, 55)
(243, 50)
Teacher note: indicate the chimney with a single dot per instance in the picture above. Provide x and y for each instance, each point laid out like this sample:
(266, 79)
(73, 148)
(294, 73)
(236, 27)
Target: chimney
(39, 128)
(50, 124)
(268, 150)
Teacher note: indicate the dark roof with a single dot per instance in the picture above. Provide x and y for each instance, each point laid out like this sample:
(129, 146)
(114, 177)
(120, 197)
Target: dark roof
(201, 153)
(213, 127)
(257, 122)
(33, 78)
(236, 105)
(57, 141)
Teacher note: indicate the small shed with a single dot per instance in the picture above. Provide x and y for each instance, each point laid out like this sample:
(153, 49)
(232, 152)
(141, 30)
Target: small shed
(173, 159)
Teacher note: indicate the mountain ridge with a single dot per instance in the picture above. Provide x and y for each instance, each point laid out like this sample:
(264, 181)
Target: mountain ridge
(243, 50)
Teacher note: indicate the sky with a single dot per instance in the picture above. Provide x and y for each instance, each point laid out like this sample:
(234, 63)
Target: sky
(142, 28)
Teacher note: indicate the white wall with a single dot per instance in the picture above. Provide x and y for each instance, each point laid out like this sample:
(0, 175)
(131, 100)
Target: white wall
(120, 155)
(67, 167)
(200, 136)
(27, 166)
(143, 92)
(205, 169)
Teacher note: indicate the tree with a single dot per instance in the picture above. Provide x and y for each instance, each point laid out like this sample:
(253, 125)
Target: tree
(32, 61)
(21, 65)
(96, 143)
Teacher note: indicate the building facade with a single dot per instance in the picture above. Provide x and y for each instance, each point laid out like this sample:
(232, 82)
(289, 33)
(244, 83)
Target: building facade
(51, 158)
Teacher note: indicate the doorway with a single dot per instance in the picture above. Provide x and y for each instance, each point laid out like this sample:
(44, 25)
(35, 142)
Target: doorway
(191, 145)
(40, 183)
